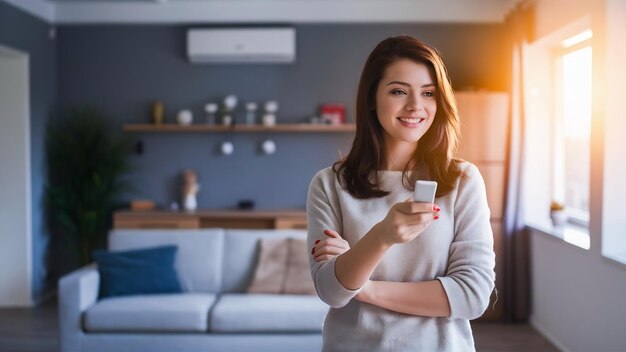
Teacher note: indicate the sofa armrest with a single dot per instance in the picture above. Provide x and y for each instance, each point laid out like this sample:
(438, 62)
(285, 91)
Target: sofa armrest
(77, 291)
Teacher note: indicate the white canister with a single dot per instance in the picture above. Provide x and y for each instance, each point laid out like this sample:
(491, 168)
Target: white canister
(269, 120)
(227, 120)
(184, 117)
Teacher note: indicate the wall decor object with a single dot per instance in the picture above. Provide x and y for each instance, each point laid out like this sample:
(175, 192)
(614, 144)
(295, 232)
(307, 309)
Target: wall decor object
(157, 112)
(227, 148)
(333, 114)
(190, 189)
(268, 146)
(210, 110)
(269, 118)
(185, 117)
(251, 113)
(230, 103)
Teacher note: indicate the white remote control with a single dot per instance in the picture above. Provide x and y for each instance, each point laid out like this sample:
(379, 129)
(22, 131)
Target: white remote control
(425, 191)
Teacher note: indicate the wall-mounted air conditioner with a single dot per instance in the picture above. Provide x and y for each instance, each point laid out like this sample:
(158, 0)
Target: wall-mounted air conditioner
(241, 45)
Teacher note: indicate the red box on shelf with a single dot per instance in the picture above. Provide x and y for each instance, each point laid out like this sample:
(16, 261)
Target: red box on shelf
(333, 113)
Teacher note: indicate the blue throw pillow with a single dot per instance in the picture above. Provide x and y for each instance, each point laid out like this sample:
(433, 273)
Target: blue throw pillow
(137, 272)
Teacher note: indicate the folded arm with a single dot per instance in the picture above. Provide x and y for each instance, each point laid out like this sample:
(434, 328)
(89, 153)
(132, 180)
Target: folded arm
(426, 298)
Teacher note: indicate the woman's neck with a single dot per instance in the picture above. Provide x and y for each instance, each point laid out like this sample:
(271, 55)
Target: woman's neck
(398, 155)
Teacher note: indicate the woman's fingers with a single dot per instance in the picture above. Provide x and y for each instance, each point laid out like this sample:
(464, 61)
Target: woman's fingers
(413, 207)
(336, 242)
(324, 257)
(328, 250)
(332, 246)
(332, 233)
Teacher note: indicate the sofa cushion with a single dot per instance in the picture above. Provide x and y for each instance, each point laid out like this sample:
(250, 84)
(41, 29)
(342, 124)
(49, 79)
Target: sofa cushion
(241, 255)
(283, 267)
(198, 260)
(139, 271)
(269, 274)
(259, 313)
(186, 312)
(298, 280)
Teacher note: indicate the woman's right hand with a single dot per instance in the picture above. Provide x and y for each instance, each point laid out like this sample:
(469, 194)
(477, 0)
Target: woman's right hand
(407, 220)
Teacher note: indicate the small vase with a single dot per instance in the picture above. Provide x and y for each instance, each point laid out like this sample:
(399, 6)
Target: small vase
(190, 202)
(558, 217)
(227, 120)
(157, 113)
(269, 120)
(185, 117)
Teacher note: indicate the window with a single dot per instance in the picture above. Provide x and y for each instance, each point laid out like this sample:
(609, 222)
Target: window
(572, 134)
(558, 98)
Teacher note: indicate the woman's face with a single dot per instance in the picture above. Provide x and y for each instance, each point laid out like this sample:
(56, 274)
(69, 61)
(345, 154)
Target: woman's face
(405, 101)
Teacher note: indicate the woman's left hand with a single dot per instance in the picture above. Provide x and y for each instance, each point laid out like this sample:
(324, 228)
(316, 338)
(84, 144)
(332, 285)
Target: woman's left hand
(331, 247)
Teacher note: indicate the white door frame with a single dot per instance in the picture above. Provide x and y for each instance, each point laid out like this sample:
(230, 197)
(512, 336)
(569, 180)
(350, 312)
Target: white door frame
(15, 180)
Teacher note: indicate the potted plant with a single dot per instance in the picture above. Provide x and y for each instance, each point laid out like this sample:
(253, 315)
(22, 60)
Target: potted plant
(86, 168)
(558, 214)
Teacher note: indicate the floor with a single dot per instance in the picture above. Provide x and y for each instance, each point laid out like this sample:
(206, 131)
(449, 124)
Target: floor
(35, 330)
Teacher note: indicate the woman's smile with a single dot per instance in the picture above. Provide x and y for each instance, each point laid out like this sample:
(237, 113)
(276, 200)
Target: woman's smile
(411, 122)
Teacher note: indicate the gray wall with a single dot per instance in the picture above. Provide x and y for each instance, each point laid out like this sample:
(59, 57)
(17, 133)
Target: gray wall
(29, 34)
(577, 295)
(123, 69)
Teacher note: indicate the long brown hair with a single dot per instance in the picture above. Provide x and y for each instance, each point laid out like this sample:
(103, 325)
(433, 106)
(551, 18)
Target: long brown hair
(434, 156)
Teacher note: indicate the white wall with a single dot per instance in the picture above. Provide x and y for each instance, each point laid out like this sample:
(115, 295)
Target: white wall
(551, 15)
(577, 295)
(15, 185)
(614, 219)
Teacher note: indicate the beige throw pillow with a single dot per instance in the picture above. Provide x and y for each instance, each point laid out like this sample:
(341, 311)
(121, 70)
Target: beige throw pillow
(270, 270)
(283, 268)
(298, 277)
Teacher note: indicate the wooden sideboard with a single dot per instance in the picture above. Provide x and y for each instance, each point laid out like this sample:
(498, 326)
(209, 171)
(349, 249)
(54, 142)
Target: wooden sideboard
(484, 141)
(240, 219)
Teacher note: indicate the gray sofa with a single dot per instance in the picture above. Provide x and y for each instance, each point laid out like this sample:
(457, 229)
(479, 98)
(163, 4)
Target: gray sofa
(214, 313)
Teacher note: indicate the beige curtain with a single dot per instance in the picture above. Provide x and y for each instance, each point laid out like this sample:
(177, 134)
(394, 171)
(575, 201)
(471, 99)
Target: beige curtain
(516, 295)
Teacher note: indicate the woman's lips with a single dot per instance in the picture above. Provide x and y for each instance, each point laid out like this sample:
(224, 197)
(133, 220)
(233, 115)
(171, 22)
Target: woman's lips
(411, 121)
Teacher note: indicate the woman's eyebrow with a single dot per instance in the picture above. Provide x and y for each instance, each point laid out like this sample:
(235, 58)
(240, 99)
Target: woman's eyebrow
(408, 85)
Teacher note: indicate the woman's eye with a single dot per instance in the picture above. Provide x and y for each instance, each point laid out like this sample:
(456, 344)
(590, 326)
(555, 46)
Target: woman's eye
(428, 94)
(397, 92)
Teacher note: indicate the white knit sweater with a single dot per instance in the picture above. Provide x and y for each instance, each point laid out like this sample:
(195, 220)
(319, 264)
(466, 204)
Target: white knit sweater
(456, 249)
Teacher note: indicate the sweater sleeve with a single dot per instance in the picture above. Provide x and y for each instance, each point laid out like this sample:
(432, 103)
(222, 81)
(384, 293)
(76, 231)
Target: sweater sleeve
(470, 275)
(322, 216)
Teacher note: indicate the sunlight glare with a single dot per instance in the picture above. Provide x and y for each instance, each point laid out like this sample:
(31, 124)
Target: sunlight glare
(577, 93)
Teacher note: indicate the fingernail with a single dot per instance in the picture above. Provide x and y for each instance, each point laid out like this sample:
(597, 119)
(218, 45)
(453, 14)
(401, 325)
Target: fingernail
(318, 241)
(437, 208)
(313, 251)
(436, 217)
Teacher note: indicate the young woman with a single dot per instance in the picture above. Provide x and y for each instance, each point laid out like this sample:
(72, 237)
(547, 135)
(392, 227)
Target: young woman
(401, 275)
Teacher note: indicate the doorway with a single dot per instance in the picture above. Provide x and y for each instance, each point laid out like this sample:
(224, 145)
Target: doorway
(15, 180)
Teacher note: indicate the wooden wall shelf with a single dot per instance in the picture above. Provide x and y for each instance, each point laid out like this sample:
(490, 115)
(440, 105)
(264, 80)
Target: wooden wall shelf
(295, 127)
(238, 219)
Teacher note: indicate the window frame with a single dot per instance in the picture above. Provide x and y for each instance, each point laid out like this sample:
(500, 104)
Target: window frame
(575, 217)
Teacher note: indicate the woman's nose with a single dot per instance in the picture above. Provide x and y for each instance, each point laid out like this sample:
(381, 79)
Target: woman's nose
(413, 104)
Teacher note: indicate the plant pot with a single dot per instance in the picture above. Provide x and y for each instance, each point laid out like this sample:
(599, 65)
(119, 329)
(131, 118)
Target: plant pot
(558, 217)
